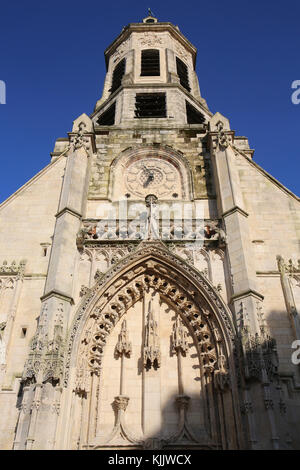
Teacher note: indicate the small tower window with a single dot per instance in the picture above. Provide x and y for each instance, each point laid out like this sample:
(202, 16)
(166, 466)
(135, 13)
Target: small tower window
(45, 247)
(108, 117)
(23, 332)
(182, 72)
(117, 76)
(150, 105)
(150, 63)
(193, 115)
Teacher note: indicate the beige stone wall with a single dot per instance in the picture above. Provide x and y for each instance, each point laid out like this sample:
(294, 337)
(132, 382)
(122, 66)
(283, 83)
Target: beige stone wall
(274, 221)
(27, 220)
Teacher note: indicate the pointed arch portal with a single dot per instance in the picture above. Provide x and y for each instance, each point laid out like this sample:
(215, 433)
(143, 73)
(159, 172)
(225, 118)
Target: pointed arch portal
(150, 361)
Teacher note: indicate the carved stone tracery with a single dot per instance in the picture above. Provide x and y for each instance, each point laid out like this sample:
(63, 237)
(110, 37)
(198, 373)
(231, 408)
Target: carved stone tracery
(104, 317)
(134, 292)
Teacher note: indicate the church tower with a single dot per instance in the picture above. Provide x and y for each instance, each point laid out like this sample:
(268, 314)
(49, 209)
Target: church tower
(146, 300)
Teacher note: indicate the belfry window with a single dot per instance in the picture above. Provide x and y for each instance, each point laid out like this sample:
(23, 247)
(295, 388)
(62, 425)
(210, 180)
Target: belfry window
(108, 117)
(182, 72)
(150, 63)
(117, 76)
(150, 105)
(193, 115)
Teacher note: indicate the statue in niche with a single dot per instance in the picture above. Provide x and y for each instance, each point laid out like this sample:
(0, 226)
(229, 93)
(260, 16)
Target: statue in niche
(152, 230)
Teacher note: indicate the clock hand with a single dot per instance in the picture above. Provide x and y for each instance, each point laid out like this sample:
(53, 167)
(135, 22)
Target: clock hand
(150, 178)
(146, 169)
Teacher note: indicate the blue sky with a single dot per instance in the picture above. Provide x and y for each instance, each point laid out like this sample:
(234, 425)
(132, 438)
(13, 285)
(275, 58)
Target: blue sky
(53, 66)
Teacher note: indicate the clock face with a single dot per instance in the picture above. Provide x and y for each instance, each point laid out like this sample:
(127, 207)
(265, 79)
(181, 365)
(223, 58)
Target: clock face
(152, 176)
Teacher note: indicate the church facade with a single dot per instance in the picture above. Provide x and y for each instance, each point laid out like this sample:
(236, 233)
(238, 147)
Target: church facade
(150, 285)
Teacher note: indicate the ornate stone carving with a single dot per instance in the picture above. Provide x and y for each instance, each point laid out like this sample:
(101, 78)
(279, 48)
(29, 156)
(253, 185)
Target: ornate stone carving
(282, 406)
(35, 405)
(123, 345)
(98, 274)
(246, 407)
(151, 350)
(213, 230)
(46, 357)
(179, 338)
(13, 268)
(55, 407)
(291, 267)
(223, 139)
(150, 39)
(80, 139)
(2, 328)
(83, 291)
(184, 434)
(183, 401)
(185, 296)
(120, 435)
(269, 404)
(180, 51)
(121, 402)
(120, 51)
(152, 231)
(260, 356)
(149, 226)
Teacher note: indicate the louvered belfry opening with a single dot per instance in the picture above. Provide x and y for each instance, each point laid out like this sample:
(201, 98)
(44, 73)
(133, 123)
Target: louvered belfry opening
(150, 63)
(193, 115)
(118, 74)
(182, 72)
(108, 117)
(150, 105)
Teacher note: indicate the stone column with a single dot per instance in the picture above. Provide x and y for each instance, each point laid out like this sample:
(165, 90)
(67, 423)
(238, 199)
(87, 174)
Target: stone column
(151, 419)
(288, 297)
(7, 334)
(241, 259)
(57, 298)
(231, 209)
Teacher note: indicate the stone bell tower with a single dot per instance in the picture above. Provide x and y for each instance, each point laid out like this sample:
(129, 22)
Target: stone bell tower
(153, 309)
(150, 74)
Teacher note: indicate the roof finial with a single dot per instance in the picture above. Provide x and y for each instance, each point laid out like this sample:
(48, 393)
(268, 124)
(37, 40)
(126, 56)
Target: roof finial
(150, 12)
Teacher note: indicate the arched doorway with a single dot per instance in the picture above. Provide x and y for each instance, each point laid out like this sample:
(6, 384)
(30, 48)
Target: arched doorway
(151, 359)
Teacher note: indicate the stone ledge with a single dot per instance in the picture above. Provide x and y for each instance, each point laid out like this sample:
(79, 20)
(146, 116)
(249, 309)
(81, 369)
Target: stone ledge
(70, 211)
(233, 210)
(246, 293)
(60, 295)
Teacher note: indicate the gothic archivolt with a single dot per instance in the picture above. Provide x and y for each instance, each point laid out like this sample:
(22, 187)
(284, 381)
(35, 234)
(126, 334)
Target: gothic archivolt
(148, 273)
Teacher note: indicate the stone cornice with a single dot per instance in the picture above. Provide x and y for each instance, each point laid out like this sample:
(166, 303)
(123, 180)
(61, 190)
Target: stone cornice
(233, 210)
(152, 85)
(70, 211)
(153, 27)
(58, 294)
(268, 273)
(246, 293)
